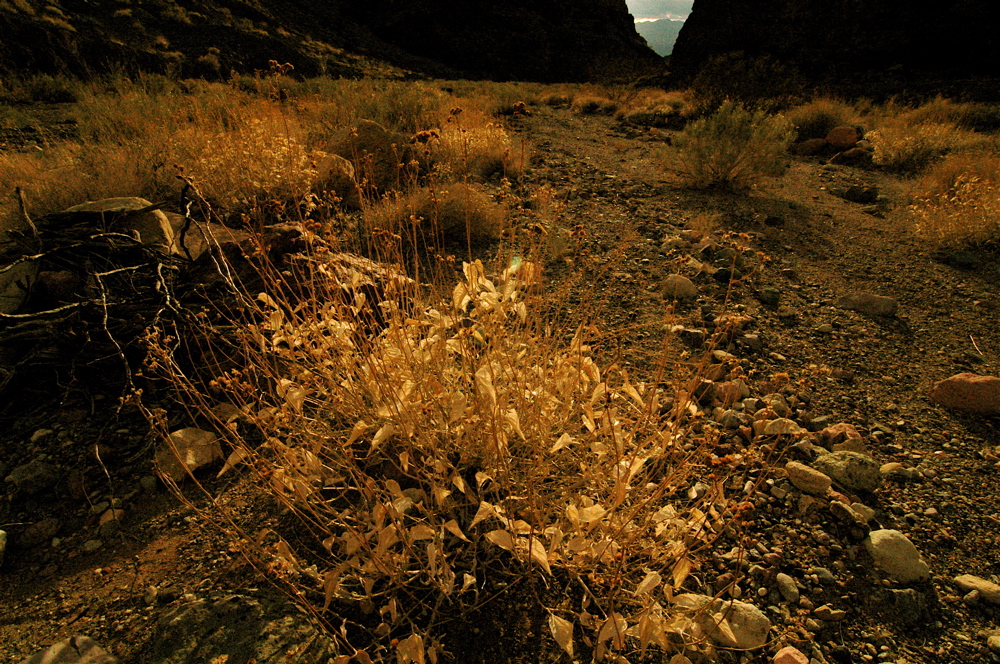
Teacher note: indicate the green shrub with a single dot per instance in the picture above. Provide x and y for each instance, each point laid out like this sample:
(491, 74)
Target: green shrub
(733, 148)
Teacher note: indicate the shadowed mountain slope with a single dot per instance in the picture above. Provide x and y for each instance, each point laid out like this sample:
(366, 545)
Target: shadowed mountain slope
(548, 40)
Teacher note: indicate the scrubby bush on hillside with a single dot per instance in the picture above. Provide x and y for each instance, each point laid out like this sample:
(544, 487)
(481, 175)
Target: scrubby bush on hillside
(755, 82)
(456, 216)
(958, 201)
(816, 118)
(734, 147)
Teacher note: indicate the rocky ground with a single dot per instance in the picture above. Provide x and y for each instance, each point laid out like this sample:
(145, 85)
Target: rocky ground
(865, 532)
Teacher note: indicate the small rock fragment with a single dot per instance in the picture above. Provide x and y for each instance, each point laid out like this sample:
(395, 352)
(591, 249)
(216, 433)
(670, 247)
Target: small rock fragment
(787, 587)
(869, 304)
(677, 287)
(806, 479)
(790, 655)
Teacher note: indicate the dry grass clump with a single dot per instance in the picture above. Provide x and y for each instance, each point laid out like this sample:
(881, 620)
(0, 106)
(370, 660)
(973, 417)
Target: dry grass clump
(816, 118)
(958, 202)
(444, 452)
(475, 147)
(655, 108)
(453, 215)
(589, 104)
(900, 146)
(246, 145)
(964, 115)
(733, 148)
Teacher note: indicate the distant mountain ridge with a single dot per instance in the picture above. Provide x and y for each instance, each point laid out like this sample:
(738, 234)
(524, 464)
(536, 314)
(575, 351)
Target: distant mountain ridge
(544, 40)
(661, 35)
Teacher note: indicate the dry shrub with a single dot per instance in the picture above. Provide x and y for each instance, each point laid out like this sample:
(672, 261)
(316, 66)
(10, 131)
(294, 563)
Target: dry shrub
(454, 215)
(383, 160)
(816, 118)
(588, 104)
(655, 108)
(760, 82)
(732, 148)
(473, 147)
(557, 99)
(459, 449)
(908, 149)
(958, 202)
(964, 115)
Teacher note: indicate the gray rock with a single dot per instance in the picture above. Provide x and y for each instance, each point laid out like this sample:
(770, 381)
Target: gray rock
(905, 606)
(987, 589)
(853, 471)
(869, 304)
(74, 650)
(748, 626)
(245, 628)
(896, 555)
(824, 575)
(677, 287)
(787, 587)
(39, 533)
(807, 479)
(33, 477)
(91, 545)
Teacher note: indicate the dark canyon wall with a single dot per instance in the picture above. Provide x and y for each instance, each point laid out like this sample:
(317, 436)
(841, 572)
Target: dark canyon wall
(545, 40)
(841, 37)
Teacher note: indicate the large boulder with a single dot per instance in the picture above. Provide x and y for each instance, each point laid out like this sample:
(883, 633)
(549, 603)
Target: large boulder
(969, 392)
(130, 216)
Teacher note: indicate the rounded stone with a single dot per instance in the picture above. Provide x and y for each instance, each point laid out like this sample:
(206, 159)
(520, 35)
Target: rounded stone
(896, 555)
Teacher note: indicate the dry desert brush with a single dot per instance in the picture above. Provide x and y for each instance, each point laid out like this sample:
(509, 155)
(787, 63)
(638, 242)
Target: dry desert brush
(434, 452)
(732, 148)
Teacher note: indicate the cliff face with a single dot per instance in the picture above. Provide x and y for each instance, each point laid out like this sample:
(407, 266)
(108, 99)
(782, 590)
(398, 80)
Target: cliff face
(546, 40)
(840, 37)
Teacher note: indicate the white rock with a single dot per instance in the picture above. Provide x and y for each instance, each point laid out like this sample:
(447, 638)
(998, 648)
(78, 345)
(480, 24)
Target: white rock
(729, 623)
(187, 450)
(806, 479)
(896, 555)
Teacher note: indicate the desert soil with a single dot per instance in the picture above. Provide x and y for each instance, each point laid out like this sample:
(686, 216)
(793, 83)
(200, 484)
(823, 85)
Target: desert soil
(871, 372)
